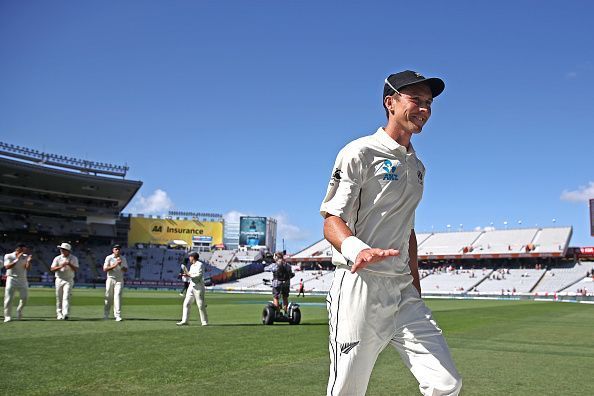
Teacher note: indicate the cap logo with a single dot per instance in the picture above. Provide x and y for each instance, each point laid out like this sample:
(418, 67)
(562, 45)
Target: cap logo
(419, 75)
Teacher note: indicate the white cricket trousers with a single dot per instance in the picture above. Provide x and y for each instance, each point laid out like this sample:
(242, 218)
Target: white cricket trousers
(113, 294)
(367, 312)
(195, 293)
(12, 285)
(63, 293)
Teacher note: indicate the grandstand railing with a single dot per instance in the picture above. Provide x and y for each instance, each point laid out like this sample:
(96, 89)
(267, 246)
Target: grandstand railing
(39, 157)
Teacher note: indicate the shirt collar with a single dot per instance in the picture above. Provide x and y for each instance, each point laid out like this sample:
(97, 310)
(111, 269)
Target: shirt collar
(382, 136)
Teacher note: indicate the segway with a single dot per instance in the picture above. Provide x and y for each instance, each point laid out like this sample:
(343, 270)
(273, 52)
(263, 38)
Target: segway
(271, 314)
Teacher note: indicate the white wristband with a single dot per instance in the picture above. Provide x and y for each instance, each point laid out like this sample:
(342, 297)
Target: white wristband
(351, 247)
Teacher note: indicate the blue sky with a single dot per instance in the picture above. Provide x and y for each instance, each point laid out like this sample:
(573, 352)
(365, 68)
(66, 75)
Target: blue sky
(241, 107)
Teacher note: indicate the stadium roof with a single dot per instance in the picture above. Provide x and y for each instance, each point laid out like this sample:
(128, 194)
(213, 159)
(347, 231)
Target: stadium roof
(515, 243)
(39, 189)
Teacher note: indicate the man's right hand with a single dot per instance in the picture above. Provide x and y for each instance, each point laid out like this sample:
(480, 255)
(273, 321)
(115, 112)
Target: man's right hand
(371, 256)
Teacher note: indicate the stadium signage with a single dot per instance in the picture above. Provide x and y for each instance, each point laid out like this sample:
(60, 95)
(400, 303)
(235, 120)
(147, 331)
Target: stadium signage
(252, 231)
(159, 228)
(162, 231)
(587, 251)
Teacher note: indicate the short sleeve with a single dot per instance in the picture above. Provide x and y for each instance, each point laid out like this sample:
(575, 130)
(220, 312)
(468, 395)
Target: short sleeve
(55, 262)
(345, 184)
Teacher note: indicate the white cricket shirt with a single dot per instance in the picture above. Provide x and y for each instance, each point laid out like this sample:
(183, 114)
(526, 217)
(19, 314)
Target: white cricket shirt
(196, 274)
(117, 272)
(18, 271)
(65, 273)
(375, 188)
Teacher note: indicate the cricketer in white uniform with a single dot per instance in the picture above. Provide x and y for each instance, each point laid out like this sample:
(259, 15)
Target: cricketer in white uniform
(115, 266)
(369, 212)
(17, 264)
(64, 266)
(195, 291)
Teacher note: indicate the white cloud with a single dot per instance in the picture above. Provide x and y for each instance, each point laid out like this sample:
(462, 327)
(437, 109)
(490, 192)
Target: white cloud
(288, 231)
(156, 203)
(571, 75)
(233, 216)
(582, 194)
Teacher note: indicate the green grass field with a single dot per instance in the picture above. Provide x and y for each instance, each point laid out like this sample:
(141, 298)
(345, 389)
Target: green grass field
(500, 348)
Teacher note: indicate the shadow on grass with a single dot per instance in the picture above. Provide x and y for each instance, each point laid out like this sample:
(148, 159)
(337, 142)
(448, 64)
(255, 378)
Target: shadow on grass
(100, 319)
(260, 324)
(75, 319)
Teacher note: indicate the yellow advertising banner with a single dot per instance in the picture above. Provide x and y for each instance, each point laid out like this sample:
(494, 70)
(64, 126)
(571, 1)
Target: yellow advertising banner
(162, 231)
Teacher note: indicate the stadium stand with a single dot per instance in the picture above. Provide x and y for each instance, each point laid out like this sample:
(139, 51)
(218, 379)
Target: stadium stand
(510, 281)
(513, 243)
(504, 241)
(319, 250)
(47, 199)
(514, 261)
(451, 280)
(222, 258)
(552, 239)
(319, 282)
(446, 243)
(313, 281)
(558, 279)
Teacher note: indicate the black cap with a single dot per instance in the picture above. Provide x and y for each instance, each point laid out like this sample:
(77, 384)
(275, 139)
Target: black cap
(116, 246)
(409, 77)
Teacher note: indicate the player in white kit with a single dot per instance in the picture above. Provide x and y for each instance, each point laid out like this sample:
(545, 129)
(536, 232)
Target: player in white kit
(17, 264)
(64, 266)
(115, 266)
(368, 211)
(195, 291)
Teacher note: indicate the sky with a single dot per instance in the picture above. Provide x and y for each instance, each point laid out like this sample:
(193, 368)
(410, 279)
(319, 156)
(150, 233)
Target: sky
(240, 107)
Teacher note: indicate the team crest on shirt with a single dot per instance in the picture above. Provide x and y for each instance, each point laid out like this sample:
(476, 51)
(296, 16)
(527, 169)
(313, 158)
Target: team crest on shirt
(336, 174)
(390, 168)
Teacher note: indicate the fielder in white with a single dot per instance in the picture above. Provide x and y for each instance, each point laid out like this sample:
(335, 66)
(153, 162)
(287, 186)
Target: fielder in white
(195, 291)
(17, 264)
(64, 266)
(368, 211)
(115, 266)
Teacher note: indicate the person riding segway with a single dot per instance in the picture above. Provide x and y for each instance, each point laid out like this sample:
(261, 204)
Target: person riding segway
(281, 281)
